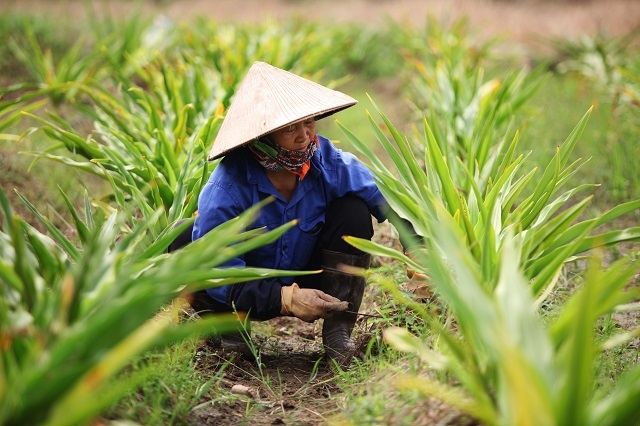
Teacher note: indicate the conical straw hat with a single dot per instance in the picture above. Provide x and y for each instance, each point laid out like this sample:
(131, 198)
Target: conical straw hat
(270, 98)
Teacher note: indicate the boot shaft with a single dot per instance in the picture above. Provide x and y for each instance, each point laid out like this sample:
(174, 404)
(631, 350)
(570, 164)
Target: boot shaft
(343, 284)
(338, 281)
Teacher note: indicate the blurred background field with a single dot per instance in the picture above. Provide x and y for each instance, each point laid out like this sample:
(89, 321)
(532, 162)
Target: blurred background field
(523, 34)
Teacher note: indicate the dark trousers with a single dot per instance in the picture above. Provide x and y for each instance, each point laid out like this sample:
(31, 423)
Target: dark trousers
(345, 216)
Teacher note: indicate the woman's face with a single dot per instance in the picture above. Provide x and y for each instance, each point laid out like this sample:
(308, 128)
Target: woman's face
(296, 136)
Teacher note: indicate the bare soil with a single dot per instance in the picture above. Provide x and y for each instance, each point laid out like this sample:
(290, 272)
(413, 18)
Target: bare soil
(521, 21)
(291, 385)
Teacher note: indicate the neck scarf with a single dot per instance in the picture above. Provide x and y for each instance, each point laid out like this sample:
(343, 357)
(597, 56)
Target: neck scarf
(272, 156)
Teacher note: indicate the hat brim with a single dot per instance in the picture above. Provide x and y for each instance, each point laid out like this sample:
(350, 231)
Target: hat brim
(269, 99)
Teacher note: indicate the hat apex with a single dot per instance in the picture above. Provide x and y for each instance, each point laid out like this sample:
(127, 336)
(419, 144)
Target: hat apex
(270, 98)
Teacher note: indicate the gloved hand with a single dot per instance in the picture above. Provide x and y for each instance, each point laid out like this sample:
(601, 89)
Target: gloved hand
(309, 304)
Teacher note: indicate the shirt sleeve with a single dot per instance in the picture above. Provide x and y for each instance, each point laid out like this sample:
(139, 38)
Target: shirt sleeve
(261, 298)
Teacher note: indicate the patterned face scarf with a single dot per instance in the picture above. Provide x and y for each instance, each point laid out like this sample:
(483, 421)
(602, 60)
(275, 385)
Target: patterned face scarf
(272, 156)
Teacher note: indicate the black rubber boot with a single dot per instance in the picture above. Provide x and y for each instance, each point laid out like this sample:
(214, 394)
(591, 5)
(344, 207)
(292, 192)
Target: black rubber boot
(336, 331)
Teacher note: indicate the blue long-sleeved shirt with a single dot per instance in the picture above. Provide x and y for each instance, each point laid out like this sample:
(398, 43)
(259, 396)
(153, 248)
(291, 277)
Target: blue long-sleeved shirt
(239, 182)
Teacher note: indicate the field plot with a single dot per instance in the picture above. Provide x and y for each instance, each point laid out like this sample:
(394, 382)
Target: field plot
(506, 132)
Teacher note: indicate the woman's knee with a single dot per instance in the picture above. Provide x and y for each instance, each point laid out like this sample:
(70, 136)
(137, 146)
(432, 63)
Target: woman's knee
(351, 214)
(346, 216)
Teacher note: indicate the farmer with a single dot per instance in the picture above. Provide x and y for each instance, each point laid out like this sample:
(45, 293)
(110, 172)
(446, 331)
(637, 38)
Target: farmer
(271, 149)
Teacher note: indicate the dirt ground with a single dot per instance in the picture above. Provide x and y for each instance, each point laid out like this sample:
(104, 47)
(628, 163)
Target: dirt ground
(300, 389)
(520, 20)
(293, 385)
(290, 383)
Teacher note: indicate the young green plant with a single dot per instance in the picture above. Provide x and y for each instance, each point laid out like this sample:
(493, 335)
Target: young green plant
(73, 317)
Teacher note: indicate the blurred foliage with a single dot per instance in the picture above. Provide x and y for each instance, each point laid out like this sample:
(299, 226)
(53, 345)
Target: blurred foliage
(610, 64)
(15, 25)
(73, 317)
(493, 241)
(494, 262)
